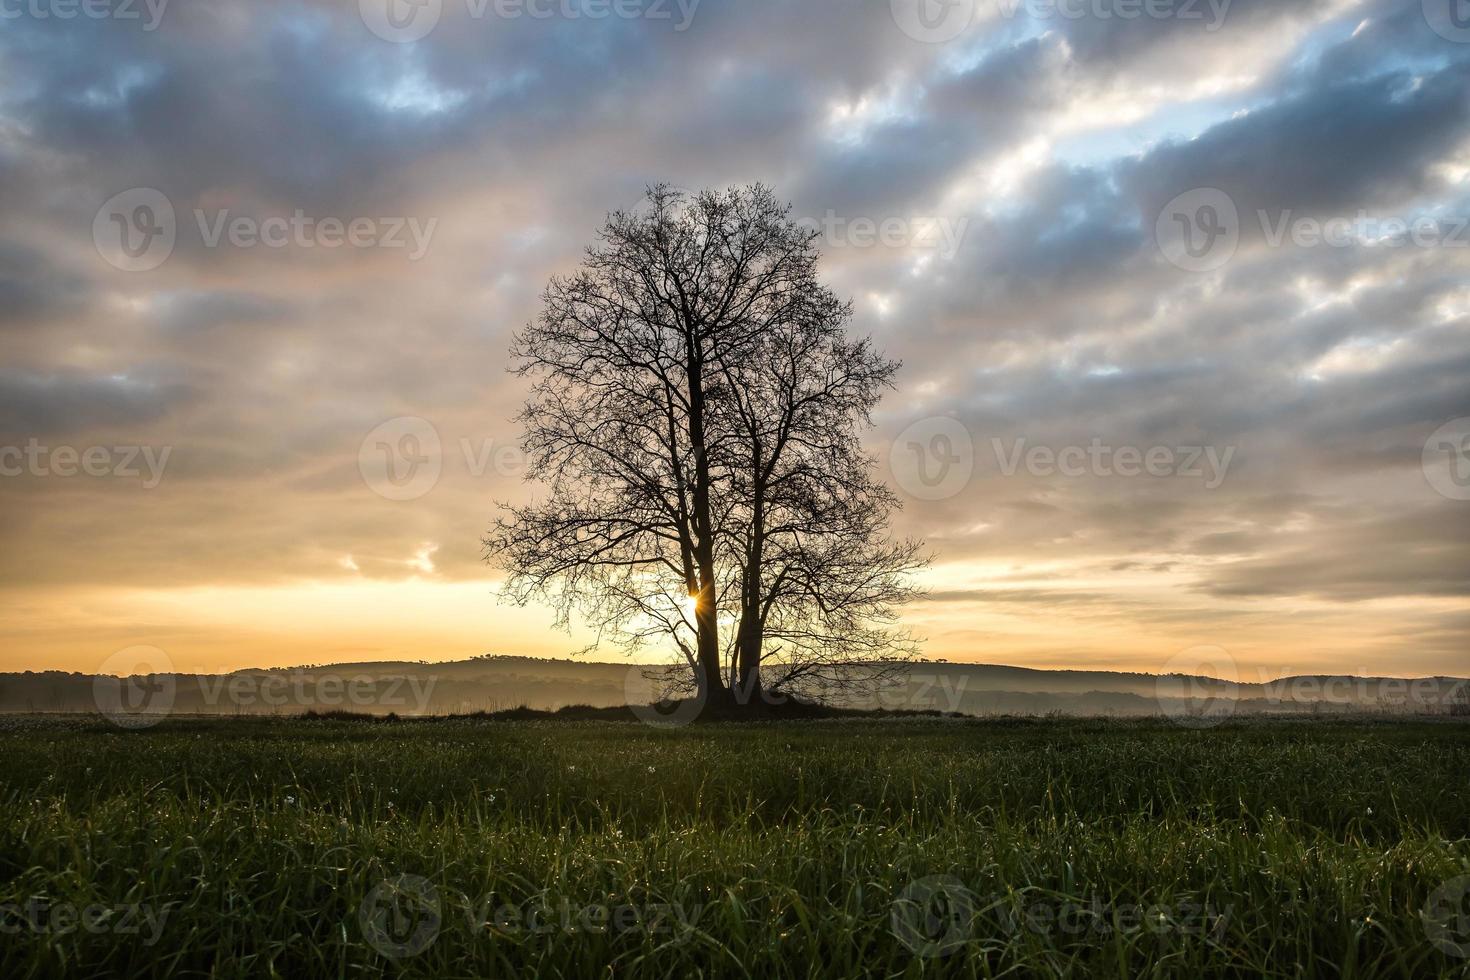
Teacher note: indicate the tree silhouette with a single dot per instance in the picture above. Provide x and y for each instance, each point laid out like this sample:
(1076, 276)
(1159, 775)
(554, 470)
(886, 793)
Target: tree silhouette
(696, 412)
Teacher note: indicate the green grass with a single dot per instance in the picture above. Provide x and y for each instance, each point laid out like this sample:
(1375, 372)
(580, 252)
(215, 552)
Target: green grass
(1278, 848)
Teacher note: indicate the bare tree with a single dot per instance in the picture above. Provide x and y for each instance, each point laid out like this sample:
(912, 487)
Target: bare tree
(817, 574)
(695, 414)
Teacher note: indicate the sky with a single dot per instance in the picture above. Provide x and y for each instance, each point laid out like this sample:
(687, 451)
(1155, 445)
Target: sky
(1181, 289)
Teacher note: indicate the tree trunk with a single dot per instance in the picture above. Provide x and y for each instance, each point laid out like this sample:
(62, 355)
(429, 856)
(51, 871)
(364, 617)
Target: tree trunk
(707, 639)
(707, 649)
(751, 633)
(749, 660)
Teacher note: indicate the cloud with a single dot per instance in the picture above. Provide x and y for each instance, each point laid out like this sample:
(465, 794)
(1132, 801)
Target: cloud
(1052, 141)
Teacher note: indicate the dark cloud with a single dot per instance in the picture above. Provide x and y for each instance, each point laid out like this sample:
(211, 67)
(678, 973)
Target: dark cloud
(1340, 147)
(71, 404)
(33, 290)
(1417, 554)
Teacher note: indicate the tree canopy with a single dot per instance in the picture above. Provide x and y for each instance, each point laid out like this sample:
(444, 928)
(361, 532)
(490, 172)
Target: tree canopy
(696, 413)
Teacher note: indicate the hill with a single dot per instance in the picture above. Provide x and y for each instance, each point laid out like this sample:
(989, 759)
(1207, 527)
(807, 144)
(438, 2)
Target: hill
(497, 683)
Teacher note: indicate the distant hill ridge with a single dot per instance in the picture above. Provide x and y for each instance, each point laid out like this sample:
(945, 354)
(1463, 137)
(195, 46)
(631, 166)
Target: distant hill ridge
(497, 682)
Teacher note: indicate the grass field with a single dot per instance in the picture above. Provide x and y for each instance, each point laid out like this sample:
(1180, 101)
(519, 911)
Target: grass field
(881, 848)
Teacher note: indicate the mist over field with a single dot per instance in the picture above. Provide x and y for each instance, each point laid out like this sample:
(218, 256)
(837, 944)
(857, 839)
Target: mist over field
(500, 683)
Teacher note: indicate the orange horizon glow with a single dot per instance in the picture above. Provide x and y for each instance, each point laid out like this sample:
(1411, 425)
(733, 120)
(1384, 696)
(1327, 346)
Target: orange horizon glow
(218, 629)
